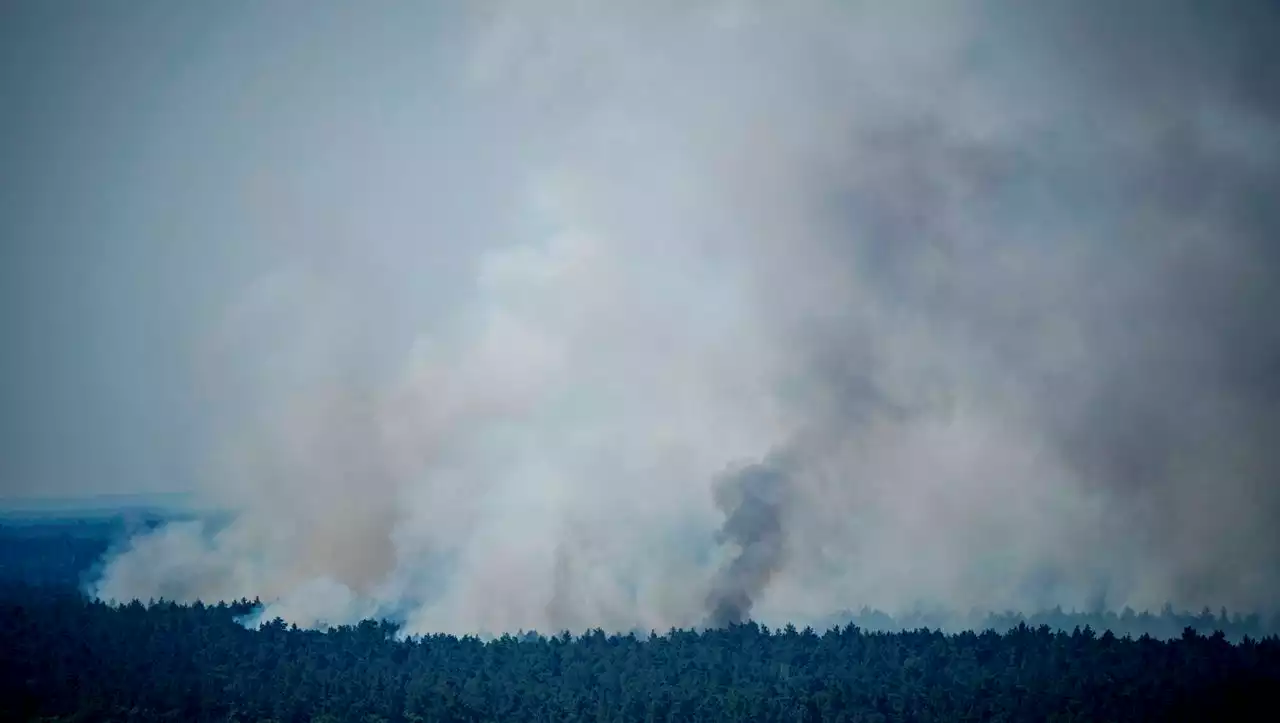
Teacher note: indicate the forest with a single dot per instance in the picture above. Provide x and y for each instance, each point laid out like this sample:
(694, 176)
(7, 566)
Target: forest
(65, 657)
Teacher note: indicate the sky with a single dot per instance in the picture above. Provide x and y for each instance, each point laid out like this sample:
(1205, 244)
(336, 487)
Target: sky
(559, 314)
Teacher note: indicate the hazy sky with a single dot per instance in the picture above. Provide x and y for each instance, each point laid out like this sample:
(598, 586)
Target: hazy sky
(160, 157)
(469, 308)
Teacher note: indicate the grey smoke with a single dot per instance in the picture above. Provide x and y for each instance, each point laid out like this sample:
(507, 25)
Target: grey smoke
(752, 500)
(465, 311)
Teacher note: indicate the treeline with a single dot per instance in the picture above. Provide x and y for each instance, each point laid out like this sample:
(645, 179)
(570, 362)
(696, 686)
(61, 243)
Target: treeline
(53, 553)
(1164, 625)
(57, 552)
(64, 658)
(68, 552)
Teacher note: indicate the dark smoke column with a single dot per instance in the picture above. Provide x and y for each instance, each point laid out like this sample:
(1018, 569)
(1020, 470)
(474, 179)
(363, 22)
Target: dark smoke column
(752, 500)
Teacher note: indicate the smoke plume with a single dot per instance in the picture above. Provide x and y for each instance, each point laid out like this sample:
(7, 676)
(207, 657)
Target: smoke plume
(751, 500)
(999, 278)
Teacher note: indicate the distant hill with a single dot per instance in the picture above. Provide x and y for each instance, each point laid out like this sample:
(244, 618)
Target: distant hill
(96, 506)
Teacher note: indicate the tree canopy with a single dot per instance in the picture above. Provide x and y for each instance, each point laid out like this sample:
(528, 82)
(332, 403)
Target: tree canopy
(65, 657)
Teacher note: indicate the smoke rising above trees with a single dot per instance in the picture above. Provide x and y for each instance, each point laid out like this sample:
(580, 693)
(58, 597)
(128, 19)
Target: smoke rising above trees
(751, 500)
(504, 291)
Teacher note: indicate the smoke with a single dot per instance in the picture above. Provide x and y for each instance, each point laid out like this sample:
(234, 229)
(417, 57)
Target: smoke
(997, 278)
(751, 500)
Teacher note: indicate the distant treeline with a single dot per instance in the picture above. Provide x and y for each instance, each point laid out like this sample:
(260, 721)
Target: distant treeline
(54, 551)
(66, 553)
(1164, 625)
(64, 658)
(57, 553)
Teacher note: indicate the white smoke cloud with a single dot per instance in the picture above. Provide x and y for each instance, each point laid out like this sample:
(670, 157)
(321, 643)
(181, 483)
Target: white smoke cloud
(863, 233)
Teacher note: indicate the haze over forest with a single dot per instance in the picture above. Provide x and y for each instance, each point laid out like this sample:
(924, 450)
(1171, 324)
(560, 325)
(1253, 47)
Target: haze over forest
(508, 315)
